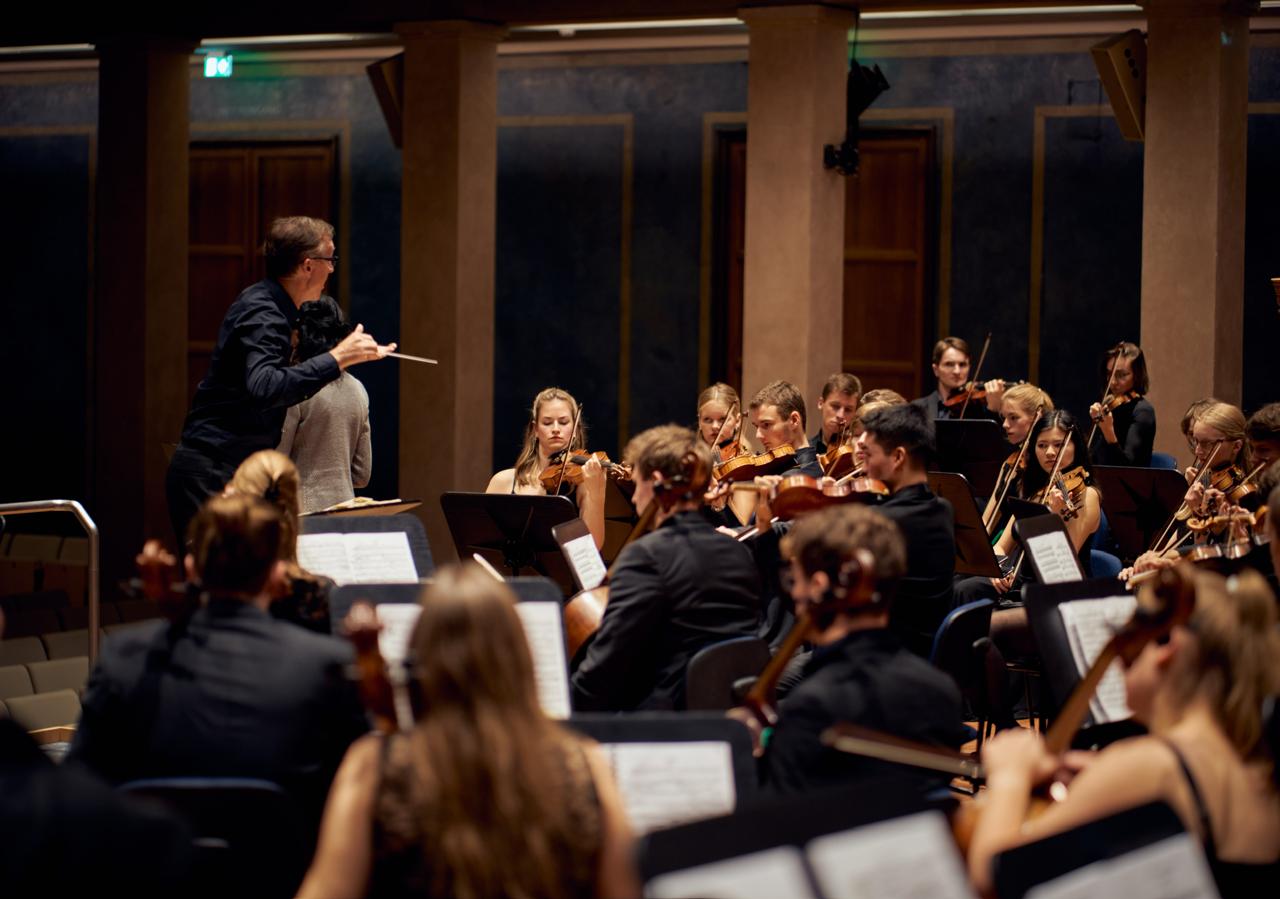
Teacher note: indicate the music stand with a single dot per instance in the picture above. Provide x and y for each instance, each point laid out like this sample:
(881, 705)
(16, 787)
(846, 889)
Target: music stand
(1139, 503)
(526, 589)
(377, 524)
(974, 448)
(511, 531)
(1053, 559)
(974, 555)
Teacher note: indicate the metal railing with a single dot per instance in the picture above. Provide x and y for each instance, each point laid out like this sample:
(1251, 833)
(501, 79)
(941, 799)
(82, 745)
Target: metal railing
(91, 530)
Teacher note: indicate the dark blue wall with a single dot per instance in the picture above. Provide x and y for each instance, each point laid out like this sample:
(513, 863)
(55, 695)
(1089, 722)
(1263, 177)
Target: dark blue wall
(560, 259)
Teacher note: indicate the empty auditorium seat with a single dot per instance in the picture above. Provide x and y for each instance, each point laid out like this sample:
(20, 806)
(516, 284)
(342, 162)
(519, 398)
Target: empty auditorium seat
(21, 650)
(15, 681)
(59, 674)
(60, 708)
(66, 644)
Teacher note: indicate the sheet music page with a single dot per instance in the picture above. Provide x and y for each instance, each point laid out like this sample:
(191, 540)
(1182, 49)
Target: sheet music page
(325, 554)
(1055, 559)
(586, 562)
(773, 872)
(397, 620)
(910, 856)
(664, 784)
(381, 558)
(1089, 624)
(545, 635)
(1173, 868)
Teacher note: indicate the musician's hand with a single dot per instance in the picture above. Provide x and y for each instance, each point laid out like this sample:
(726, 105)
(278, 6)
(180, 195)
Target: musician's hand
(361, 626)
(741, 713)
(1194, 498)
(995, 393)
(593, 476)
(1002, 584)
(1018, 755)
(1190, 474)
(359, 347)
(1055, 501)
(1215, 501)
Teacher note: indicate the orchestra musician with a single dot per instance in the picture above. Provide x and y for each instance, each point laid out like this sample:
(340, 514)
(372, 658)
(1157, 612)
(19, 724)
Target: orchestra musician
(951, 371)
(673, 591)
(720, 421)
(859, 671)
(1200, 693)
(897, 442)
(837, 407)
(555, 426)
(778, 414)
(1263, 431)
(1126, 420)
(1019, 407)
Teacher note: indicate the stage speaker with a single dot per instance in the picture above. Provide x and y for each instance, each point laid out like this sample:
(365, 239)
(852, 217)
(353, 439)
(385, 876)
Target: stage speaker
(1122, 64)
(387, 78)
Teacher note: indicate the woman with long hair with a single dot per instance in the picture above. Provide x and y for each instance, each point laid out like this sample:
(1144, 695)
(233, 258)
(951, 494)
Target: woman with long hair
(1126, 420)
(327, 435)
(485, 796)
(1200, 694)
(1019, 406)
(556, 427)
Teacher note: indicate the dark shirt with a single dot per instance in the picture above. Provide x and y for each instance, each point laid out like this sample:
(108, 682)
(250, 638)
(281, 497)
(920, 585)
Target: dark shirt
(867, 678)
(1135, 425)
(807, 463)
(672, 592)
(240, 405)
(924, 594)
(936, 411)
(819, 445)
(235, 693)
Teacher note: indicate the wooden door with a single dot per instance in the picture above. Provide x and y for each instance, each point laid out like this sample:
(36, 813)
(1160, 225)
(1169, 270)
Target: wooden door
(237, 189)
(889, 259)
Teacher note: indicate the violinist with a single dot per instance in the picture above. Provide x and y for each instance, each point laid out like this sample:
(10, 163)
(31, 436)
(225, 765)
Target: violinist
(778, 414)
(1263, 430)
(720, 427)
(671, 592)
(898, 445)
(1019, 407)
(1200, 693)
(951, 370)
(1126, 421)
(555, 427)
(837, 407)
(859, 671)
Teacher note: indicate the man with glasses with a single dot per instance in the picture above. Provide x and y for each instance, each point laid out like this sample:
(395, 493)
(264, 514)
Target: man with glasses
(240, 405)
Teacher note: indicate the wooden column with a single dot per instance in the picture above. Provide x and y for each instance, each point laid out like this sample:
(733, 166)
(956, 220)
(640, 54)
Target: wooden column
(794, 266)
(139, 308)
(448, 201)
(1193, 206)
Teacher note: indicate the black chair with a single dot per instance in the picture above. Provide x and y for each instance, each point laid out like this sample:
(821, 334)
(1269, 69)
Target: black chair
(248, 835)
(960, 649)
(712, 672)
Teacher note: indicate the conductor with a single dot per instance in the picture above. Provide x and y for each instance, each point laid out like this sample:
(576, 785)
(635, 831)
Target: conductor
(239, 407)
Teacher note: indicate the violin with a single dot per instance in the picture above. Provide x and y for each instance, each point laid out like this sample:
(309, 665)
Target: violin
(1113, 401)
(747, 467)
(567, 468)
(798, 494)
(1073, 484)
(974, 391)
(374, 683)
(839, 460)
(158, 581)
(1231, 481)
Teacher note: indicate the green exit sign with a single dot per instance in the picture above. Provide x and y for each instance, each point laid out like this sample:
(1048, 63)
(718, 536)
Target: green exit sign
(217, 66)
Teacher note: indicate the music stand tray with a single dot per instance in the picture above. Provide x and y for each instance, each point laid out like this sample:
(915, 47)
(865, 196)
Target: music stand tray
(1139, 503)
(512, 531)
(974, 555)
(974, 448)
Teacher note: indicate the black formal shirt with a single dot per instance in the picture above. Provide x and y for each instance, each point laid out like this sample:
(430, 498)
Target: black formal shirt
(867, 678)
(235, 693)
(819, 445)
(924, 594)
(807, 463)
(672, 592)
(936, 411)
(1135, 426)
(240, 405)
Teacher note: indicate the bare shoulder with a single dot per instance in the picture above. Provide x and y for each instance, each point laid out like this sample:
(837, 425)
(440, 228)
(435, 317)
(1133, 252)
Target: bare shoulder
(502, 482)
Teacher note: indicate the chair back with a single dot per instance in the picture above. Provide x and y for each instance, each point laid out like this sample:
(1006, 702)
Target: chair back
(709, 679)
(1163, 460)
(248, 834)
(955, 647)
(1104, 564)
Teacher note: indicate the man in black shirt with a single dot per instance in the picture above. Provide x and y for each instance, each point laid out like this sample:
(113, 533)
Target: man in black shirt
(836, 409)
(777, 411)
(845, 564)
(672, 592)
(951, 369)
(240, 405)
(898, 444)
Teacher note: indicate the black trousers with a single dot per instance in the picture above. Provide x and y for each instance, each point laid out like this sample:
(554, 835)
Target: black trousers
(192, 478)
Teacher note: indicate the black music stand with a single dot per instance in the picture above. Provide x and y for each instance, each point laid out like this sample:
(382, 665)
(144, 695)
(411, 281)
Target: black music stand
(1018, 870)
(974, 448)
(1139, 503)
(619, 516)
(974, 555)
(1059, 665)
(526, 589)
(377, 524)
(1049, 567)
(511, 531)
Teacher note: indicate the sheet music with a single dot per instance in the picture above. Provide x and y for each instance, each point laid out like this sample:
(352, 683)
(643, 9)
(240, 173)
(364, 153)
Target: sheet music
(545, 635)
(912, 856)
(664, 784)
(1089, 624)
(359, 558)
(773, 872)
(1173, 868)
(586, 562)
(1054, 557)
(398, 620)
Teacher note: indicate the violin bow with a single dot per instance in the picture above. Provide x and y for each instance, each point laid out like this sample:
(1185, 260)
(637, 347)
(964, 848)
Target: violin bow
(1004, 486)
(568, 450)
(1164, 535)
(1106, 392)
(715, 444)
(973, 383)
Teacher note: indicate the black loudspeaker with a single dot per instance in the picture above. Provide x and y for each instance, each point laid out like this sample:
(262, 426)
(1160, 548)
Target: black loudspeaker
(387, 78)
(1122, 64)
